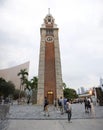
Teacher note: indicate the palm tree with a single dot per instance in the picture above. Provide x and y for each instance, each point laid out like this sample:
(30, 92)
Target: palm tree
(34, 86)
(34, 83)
(23, 78)
(31, 89)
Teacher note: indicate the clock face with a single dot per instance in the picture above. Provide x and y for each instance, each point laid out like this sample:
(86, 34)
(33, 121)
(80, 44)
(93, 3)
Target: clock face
(49, 39)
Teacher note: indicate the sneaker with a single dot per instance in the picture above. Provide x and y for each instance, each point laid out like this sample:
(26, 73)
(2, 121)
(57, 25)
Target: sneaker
(69, 121)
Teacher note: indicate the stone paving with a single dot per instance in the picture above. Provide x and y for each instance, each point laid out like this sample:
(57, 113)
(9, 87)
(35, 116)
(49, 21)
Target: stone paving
(77, 124)
(23, 114)
(36, 112)
(4, 109)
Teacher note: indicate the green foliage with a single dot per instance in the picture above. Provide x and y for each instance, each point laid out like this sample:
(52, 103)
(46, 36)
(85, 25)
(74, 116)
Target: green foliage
(70, 93)
(30, 85)
(16, 94)
(34, 83)
(23, 76)
(6, 88)
(64, 85)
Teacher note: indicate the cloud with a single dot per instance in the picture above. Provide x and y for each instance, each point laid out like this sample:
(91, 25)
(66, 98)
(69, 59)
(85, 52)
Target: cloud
(80, 36)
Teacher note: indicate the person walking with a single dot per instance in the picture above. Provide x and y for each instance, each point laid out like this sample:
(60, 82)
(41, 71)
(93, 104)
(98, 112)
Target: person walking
(46, 103)
(61, 105)
(65, 100)
(55, 104)
(89, 104)
(86, 105)
(69, 110)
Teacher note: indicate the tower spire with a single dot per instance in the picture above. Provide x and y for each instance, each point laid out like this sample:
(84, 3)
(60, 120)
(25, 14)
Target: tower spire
(49, 11)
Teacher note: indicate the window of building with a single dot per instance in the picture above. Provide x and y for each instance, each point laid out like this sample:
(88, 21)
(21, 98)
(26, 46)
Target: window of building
(49, 32)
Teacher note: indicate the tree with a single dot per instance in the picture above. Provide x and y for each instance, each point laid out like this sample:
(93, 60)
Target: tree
(16, 94)
(64, 85)
(34, 83)
(34, 86)
(6, 88)
(2, 86)
(23, 77)
(70, 93)
(10, 88)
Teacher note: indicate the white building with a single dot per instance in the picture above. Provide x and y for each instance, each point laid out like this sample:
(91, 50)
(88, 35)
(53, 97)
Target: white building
(82, 90)
(10, 74)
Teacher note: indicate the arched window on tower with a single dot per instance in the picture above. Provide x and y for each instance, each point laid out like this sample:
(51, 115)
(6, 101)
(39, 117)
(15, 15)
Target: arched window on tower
(49, 32)
(49, 19)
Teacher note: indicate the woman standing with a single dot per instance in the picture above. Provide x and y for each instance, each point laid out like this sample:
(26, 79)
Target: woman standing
(69, 110)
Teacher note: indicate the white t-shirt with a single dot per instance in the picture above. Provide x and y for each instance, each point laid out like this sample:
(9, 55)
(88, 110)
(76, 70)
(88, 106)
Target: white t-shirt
(69, 106)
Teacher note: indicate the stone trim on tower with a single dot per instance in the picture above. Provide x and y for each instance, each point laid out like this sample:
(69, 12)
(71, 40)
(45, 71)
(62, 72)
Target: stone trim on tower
(49, 72)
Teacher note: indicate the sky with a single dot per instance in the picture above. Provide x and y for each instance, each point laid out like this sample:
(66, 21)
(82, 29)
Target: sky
(80, 24)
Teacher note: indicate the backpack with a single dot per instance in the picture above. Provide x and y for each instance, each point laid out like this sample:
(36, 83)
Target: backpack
(89, 105)
(67, 108)
(60, 104)
(46, 102)
(86, 102)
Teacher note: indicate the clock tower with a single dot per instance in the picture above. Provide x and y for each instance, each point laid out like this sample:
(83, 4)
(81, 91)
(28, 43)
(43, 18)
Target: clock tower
(49, 75)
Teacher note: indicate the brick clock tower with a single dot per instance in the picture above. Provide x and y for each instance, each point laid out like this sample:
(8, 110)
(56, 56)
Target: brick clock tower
(49, 75)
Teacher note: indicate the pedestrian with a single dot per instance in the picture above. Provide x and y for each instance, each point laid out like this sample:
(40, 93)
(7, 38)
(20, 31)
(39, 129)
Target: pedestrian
(69, 110)
(86, 105)
(46, 103)
(55, 104)
(61, 105)
(89, 103)
(65, 100)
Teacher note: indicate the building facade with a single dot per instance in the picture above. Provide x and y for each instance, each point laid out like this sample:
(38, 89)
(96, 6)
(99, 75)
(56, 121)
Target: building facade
(49, 73)
(10, 74)
(101, 83)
